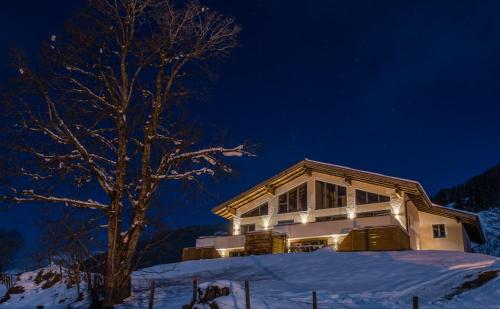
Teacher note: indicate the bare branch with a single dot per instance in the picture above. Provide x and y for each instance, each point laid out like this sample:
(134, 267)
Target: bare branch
(30, 196)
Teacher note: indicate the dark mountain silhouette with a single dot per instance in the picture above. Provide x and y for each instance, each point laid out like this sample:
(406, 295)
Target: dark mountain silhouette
(166, 246)
(479, 193)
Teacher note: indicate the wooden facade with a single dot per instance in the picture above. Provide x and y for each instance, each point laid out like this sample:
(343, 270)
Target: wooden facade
(384, 238)
(189, 254)
(264, 242)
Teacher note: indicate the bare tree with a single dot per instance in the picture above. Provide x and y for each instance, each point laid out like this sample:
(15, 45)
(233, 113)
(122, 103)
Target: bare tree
(103, 109)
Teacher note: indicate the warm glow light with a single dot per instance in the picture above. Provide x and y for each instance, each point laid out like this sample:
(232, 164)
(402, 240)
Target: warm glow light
(304, 216)
(336, 239)
(222, 252)
(265, 222)
(236, 226)
(351, 212)
(396, 204)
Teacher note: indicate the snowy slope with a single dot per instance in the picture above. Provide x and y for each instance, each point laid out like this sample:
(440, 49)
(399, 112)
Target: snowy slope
(57, 296)
(490, 220)
(342, 280)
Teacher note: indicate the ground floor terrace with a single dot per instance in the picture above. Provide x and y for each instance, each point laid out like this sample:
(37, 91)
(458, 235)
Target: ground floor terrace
(375, 233)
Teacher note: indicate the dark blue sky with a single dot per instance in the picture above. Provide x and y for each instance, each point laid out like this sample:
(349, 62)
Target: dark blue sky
(406, 89)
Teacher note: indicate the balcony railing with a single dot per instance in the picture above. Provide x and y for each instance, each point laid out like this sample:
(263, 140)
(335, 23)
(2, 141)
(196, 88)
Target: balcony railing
(221, 242)
(326, 228)
(301, 230)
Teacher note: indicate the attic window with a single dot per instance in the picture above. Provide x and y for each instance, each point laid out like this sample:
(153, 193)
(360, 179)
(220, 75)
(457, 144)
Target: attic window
(329, 195)
(438, 231)
(262, 210)
(364, 197)
(293, 200)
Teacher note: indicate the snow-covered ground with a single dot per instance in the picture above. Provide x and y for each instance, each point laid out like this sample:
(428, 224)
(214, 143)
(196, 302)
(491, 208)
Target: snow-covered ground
(342, 280)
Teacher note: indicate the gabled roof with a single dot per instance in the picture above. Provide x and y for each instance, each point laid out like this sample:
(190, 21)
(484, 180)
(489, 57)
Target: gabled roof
(411, 188)
(470, 220)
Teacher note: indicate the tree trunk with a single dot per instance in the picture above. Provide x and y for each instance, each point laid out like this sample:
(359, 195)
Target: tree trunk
(117, 281)
(120, 255)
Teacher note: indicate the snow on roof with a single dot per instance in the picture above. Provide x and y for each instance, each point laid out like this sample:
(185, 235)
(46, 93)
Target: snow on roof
(361, 171)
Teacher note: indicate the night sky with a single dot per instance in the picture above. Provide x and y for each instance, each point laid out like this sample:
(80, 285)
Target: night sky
(405, 89)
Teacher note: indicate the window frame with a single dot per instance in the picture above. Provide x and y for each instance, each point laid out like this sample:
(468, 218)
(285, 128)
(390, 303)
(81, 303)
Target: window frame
(441, 233)
(367, 193)
(330, 218)
(298, 201)
(285, 222)
(247, 225)
(336, 197)
(259, 209)
(374, 213)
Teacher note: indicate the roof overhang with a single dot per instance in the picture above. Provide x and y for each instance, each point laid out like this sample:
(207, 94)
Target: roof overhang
(412, 188)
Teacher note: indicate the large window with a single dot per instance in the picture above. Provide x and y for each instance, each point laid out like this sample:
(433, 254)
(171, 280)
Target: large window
(293, 200)
(331, 218)
(329, 195)
(245, 228)
(262, 210)
(438, 231)
(364, 197)
(373, 213)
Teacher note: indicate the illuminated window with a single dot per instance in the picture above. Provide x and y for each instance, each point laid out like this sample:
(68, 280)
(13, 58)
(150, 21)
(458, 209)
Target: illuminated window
(245, 228)
(329, 195)
(438, 231)
(262, 210)
(293, 200)
(364, 197)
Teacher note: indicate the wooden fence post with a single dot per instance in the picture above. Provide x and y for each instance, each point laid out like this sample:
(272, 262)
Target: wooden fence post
(415, 302)
(247, 294)
(195, 291)
(151, 294)
(315, 300)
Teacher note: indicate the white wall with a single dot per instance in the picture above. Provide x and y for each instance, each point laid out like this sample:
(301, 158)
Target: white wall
(413, 225)
(454, 239)
(221, 242)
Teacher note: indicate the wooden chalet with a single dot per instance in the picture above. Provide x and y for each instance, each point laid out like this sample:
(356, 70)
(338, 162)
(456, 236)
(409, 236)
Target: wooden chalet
(313, 204)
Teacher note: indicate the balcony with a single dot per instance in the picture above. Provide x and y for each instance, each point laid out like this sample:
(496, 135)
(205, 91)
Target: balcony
(221, 242)
(327, 228)
(301, 230)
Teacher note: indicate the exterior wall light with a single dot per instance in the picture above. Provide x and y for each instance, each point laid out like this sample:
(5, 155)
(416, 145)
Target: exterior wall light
(304, 217)
(351, 203)
(222, 252)
(265, 222)
(236, 226)
(396, 203)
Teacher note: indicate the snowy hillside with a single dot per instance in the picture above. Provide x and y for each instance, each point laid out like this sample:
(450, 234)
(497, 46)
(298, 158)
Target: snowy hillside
(342, 280)
(490, 220)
